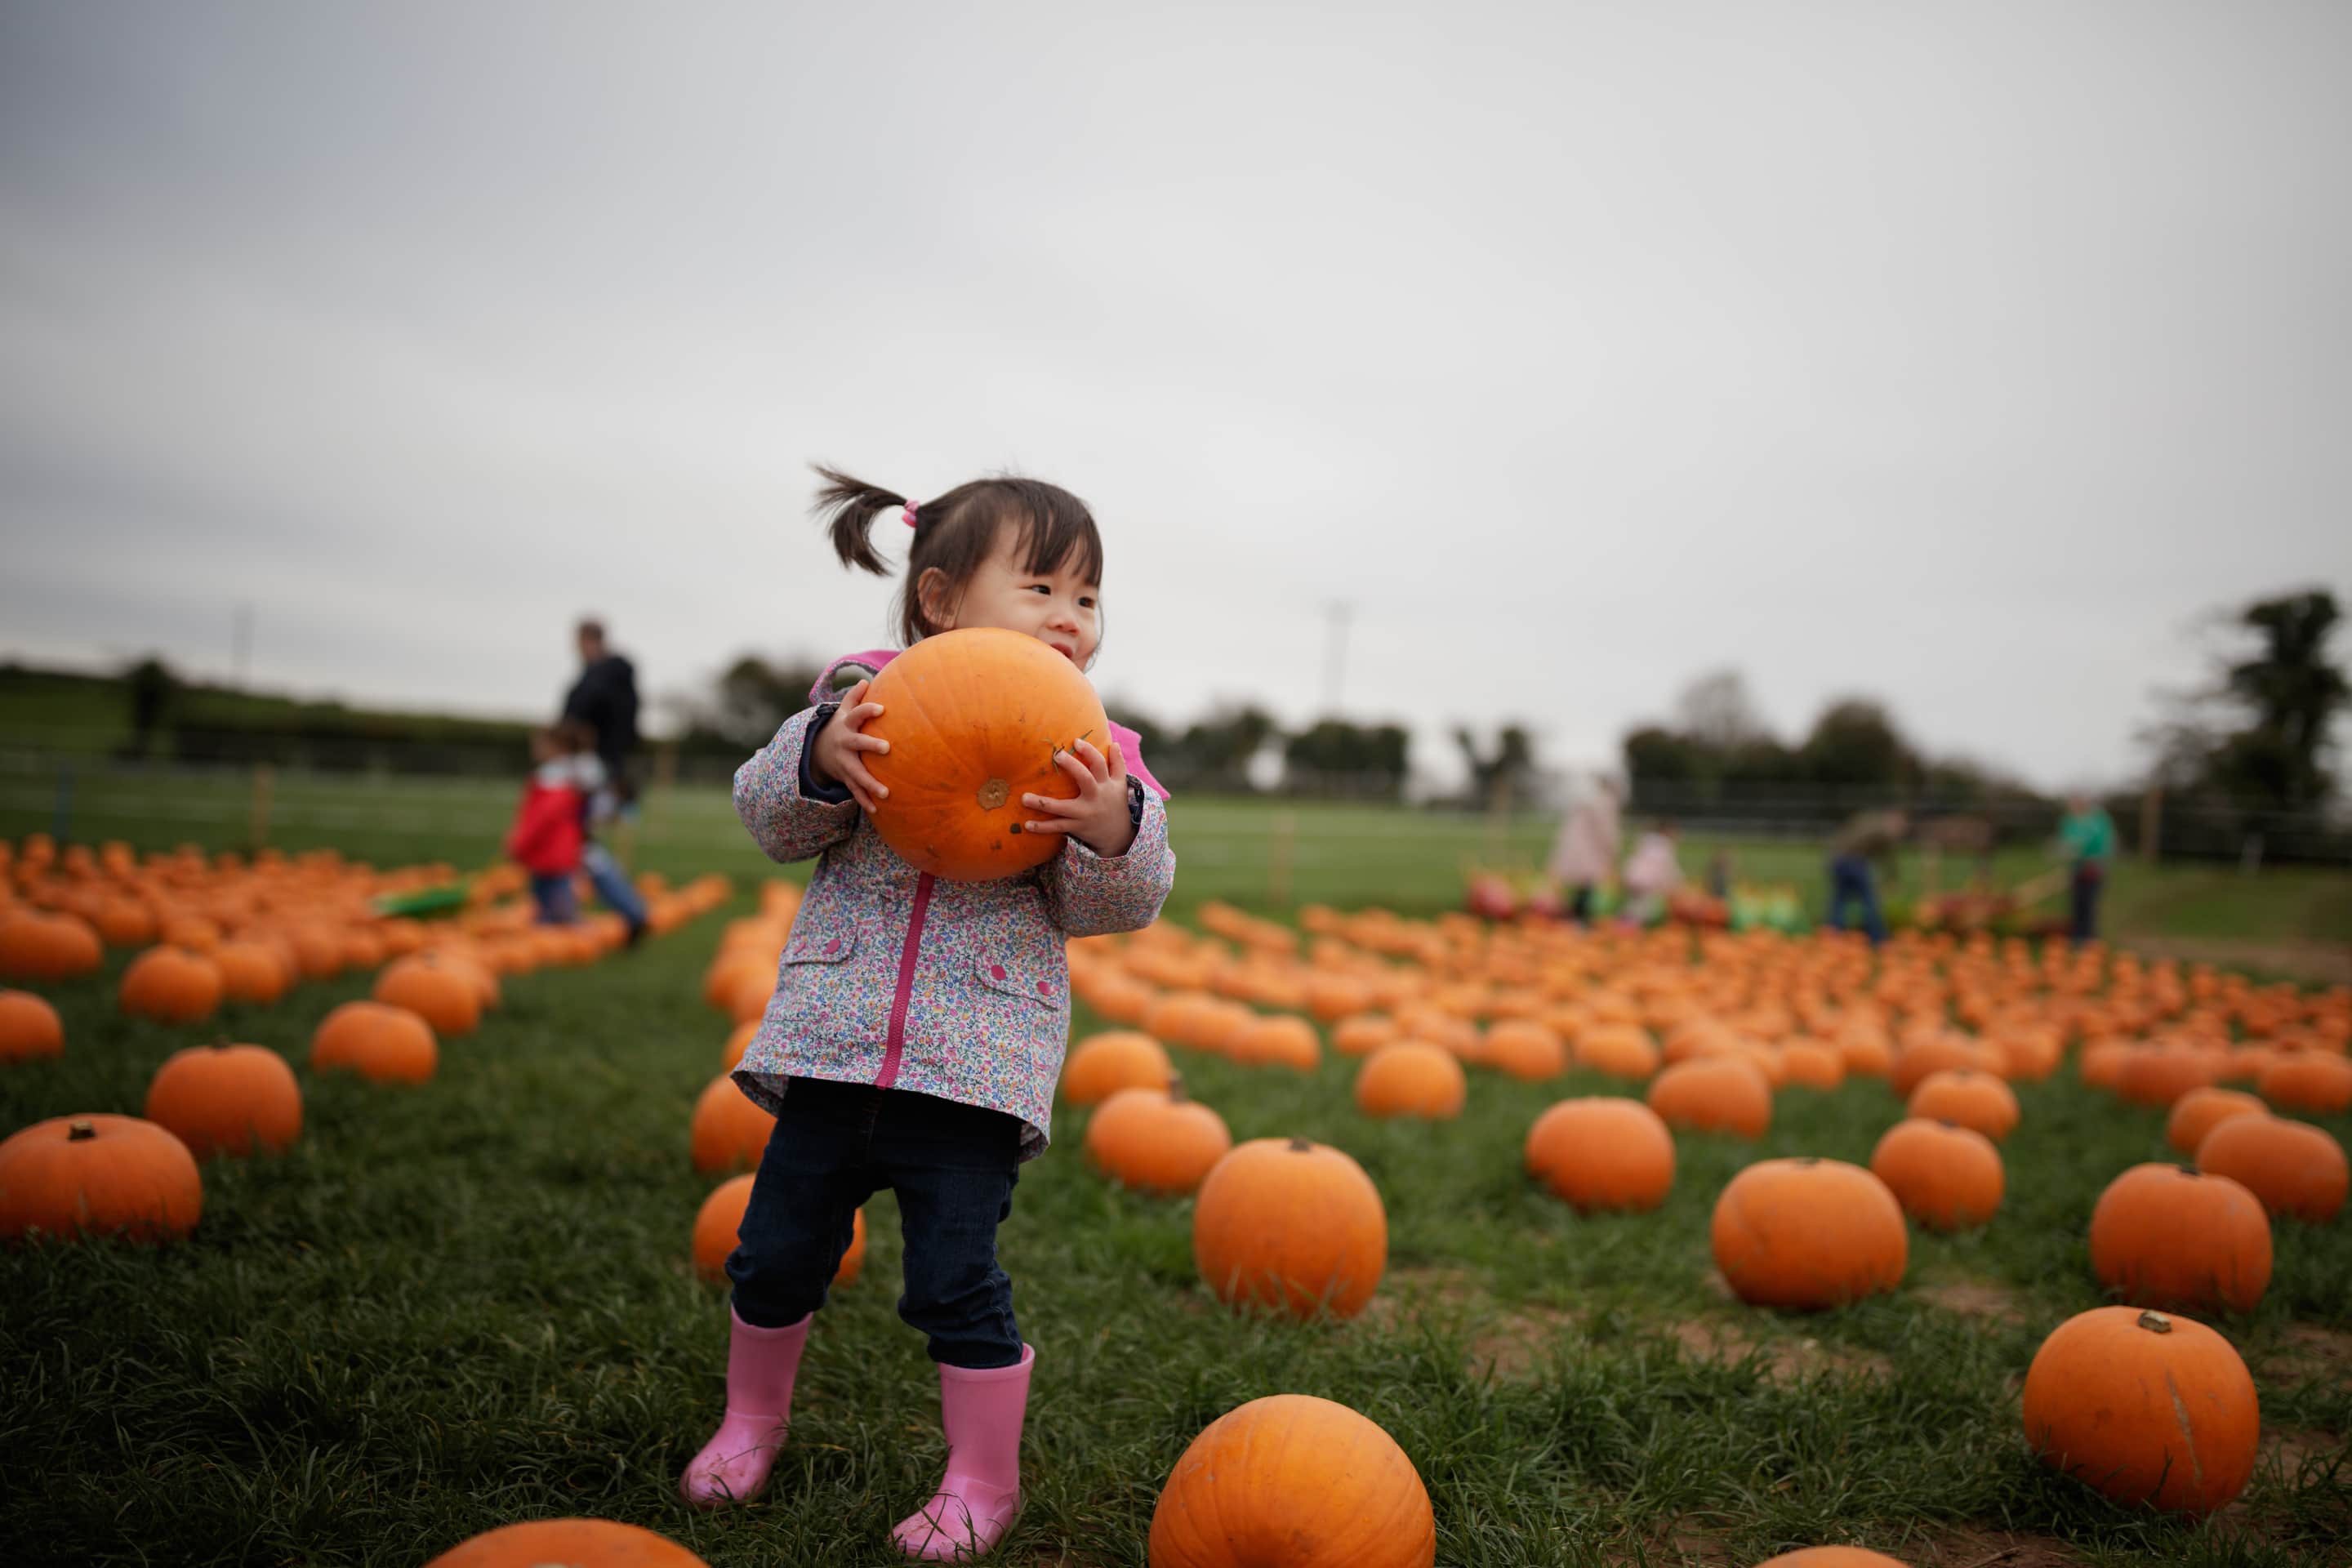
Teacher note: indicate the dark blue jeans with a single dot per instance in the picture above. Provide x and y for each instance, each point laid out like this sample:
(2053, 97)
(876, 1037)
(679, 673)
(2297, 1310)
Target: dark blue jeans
(553, 892)
(1851, 882)
(612, 883)
(952, 1166)
(2083, 922)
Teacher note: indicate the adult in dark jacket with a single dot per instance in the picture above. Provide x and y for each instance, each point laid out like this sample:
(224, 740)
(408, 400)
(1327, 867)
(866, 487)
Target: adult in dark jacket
(1873, 838)
(604, 699)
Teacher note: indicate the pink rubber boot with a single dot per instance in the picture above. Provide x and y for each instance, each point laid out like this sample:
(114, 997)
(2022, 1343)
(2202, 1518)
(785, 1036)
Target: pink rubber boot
(760, 1366)
(981, 1493)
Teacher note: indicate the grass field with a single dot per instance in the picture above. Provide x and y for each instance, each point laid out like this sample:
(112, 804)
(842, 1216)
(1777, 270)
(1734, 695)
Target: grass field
(453, 1306)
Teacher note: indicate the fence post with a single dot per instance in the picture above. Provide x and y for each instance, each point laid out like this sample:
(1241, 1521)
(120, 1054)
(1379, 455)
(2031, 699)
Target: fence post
(2151, 824)
(61, 812)
(1278, 860)
(2250, 857)
(264, 780)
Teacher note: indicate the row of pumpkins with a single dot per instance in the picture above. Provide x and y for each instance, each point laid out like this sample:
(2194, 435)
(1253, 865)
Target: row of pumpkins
(98, 1173)
(229, 931)
(1294, 1227)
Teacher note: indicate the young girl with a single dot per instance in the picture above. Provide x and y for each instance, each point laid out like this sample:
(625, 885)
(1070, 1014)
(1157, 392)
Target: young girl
(545, 838)
(916, 1031)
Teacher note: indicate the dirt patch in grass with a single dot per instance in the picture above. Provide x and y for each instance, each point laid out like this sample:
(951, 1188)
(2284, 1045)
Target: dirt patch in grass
(1517, 1343)
(1974, 1299)
(1995, 1549)
(1782, 1356)
(2308, 1350)
(2290, 1447)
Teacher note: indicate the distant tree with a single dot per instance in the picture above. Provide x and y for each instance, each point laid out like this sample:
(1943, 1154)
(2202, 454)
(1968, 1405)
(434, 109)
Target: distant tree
(2261, 731)
(747, 702)
(150, 684)
(1657, 755)
(1218, 749)
(1716, 712)
(1854, 746)
(1362, 759)
(1504, 772)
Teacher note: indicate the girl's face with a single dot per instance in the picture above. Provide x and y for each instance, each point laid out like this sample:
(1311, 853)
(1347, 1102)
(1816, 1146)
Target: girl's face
(1058, 608)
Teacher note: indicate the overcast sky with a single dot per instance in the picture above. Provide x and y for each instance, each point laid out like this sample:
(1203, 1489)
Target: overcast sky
(1958, 354)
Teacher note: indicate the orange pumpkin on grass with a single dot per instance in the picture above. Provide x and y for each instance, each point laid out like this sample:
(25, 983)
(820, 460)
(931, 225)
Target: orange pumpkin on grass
(226, 1099)
(2292, 1167)
(1411, 1077)
(976, 718)
(98, 1175)
(37, 946)
(2163, 1235)
(1290, 1226)
(1603, 1153)
(1809, 1234)
(435, 990)
(251, 972)
(2317, 1083)
(721, 1216)
(381, 1044)
(1156, 1141)
(1967, 1099)
(1946, 1176)
(728, 1129)
(1104, 1064)
(2149, 1408)
(30, 1027)
(1278, 1040)
(171, 985)
(1714, 1094)
(2200, 1110)
(1363, 1034)
(1523, 1050)
(1834, 1557)
(1294, 1481)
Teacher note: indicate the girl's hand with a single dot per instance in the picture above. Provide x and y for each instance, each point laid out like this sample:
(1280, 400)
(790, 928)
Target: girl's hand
(1098, 818)
(836, 756)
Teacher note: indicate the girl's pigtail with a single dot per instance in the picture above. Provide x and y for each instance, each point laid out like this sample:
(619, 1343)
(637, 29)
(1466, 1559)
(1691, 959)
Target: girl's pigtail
(848, 508)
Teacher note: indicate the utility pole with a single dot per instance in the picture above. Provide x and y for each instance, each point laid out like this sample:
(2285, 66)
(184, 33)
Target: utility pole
(1335, 655)
(240, 643)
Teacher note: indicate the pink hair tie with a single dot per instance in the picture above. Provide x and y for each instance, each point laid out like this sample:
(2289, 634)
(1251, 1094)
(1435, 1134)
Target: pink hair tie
(909, 514)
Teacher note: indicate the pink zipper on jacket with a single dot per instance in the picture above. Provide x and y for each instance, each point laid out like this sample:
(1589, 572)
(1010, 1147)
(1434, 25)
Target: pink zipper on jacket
(898, 1004)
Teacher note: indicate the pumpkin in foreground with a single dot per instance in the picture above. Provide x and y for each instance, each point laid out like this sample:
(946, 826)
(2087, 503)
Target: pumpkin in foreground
(1291, 1226)
(2146, 1407)
(976, 718)
(721, 1217)
(1809, 1234)
(568, 1542)
(1946, 1176)
(1604, 1154)
(1157, 1141)
(2164, 1235)
(98, 1175)
(1294, 1481)
(1834, 1557)
(226, 1099)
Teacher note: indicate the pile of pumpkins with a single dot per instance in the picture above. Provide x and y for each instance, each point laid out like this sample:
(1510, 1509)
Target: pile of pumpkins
(1713, 1027)
(242, 933)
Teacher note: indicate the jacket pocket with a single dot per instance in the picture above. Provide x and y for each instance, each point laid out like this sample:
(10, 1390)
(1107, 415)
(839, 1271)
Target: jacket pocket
(1029, 981)
(821, 946)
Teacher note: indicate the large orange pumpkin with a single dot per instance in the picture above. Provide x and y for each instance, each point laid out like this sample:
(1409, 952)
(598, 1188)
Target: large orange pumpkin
(729, 1130)
(2200, 1110)
(1604, 1154)
(977, 718)
(1946, 1176)
(568, 1544)
(1413, 1078)
(721, 1216)
(381, 1044)
(251, 972)
(436, 990)
(98, 1175)
(2293, 1167)
(1298, 1481)
(1967, 1099)
(1156, 1140)
(1714, 1094)
(1834, 1557)
(226, 1099)
(30, 1027)
(2146, 1407)
(2162, 1236)
(171, 985)
(1809, 1234)
(1291, 1226)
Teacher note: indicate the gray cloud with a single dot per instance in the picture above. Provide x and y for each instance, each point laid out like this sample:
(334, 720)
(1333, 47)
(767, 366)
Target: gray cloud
(1956, 357)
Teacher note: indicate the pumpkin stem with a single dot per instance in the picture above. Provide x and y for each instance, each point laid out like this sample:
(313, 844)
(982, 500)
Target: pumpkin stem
(1301, 1147)
(80, 1132)
(2156, 1322)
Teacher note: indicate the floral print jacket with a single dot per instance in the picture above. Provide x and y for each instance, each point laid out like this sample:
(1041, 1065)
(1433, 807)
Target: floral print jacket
(894, 977)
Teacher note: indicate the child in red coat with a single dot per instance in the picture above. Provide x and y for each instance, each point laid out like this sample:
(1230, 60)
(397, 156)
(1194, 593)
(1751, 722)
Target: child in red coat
(546, 838)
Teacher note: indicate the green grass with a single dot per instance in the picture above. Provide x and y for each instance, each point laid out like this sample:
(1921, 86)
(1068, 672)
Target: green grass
(457, 1305)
